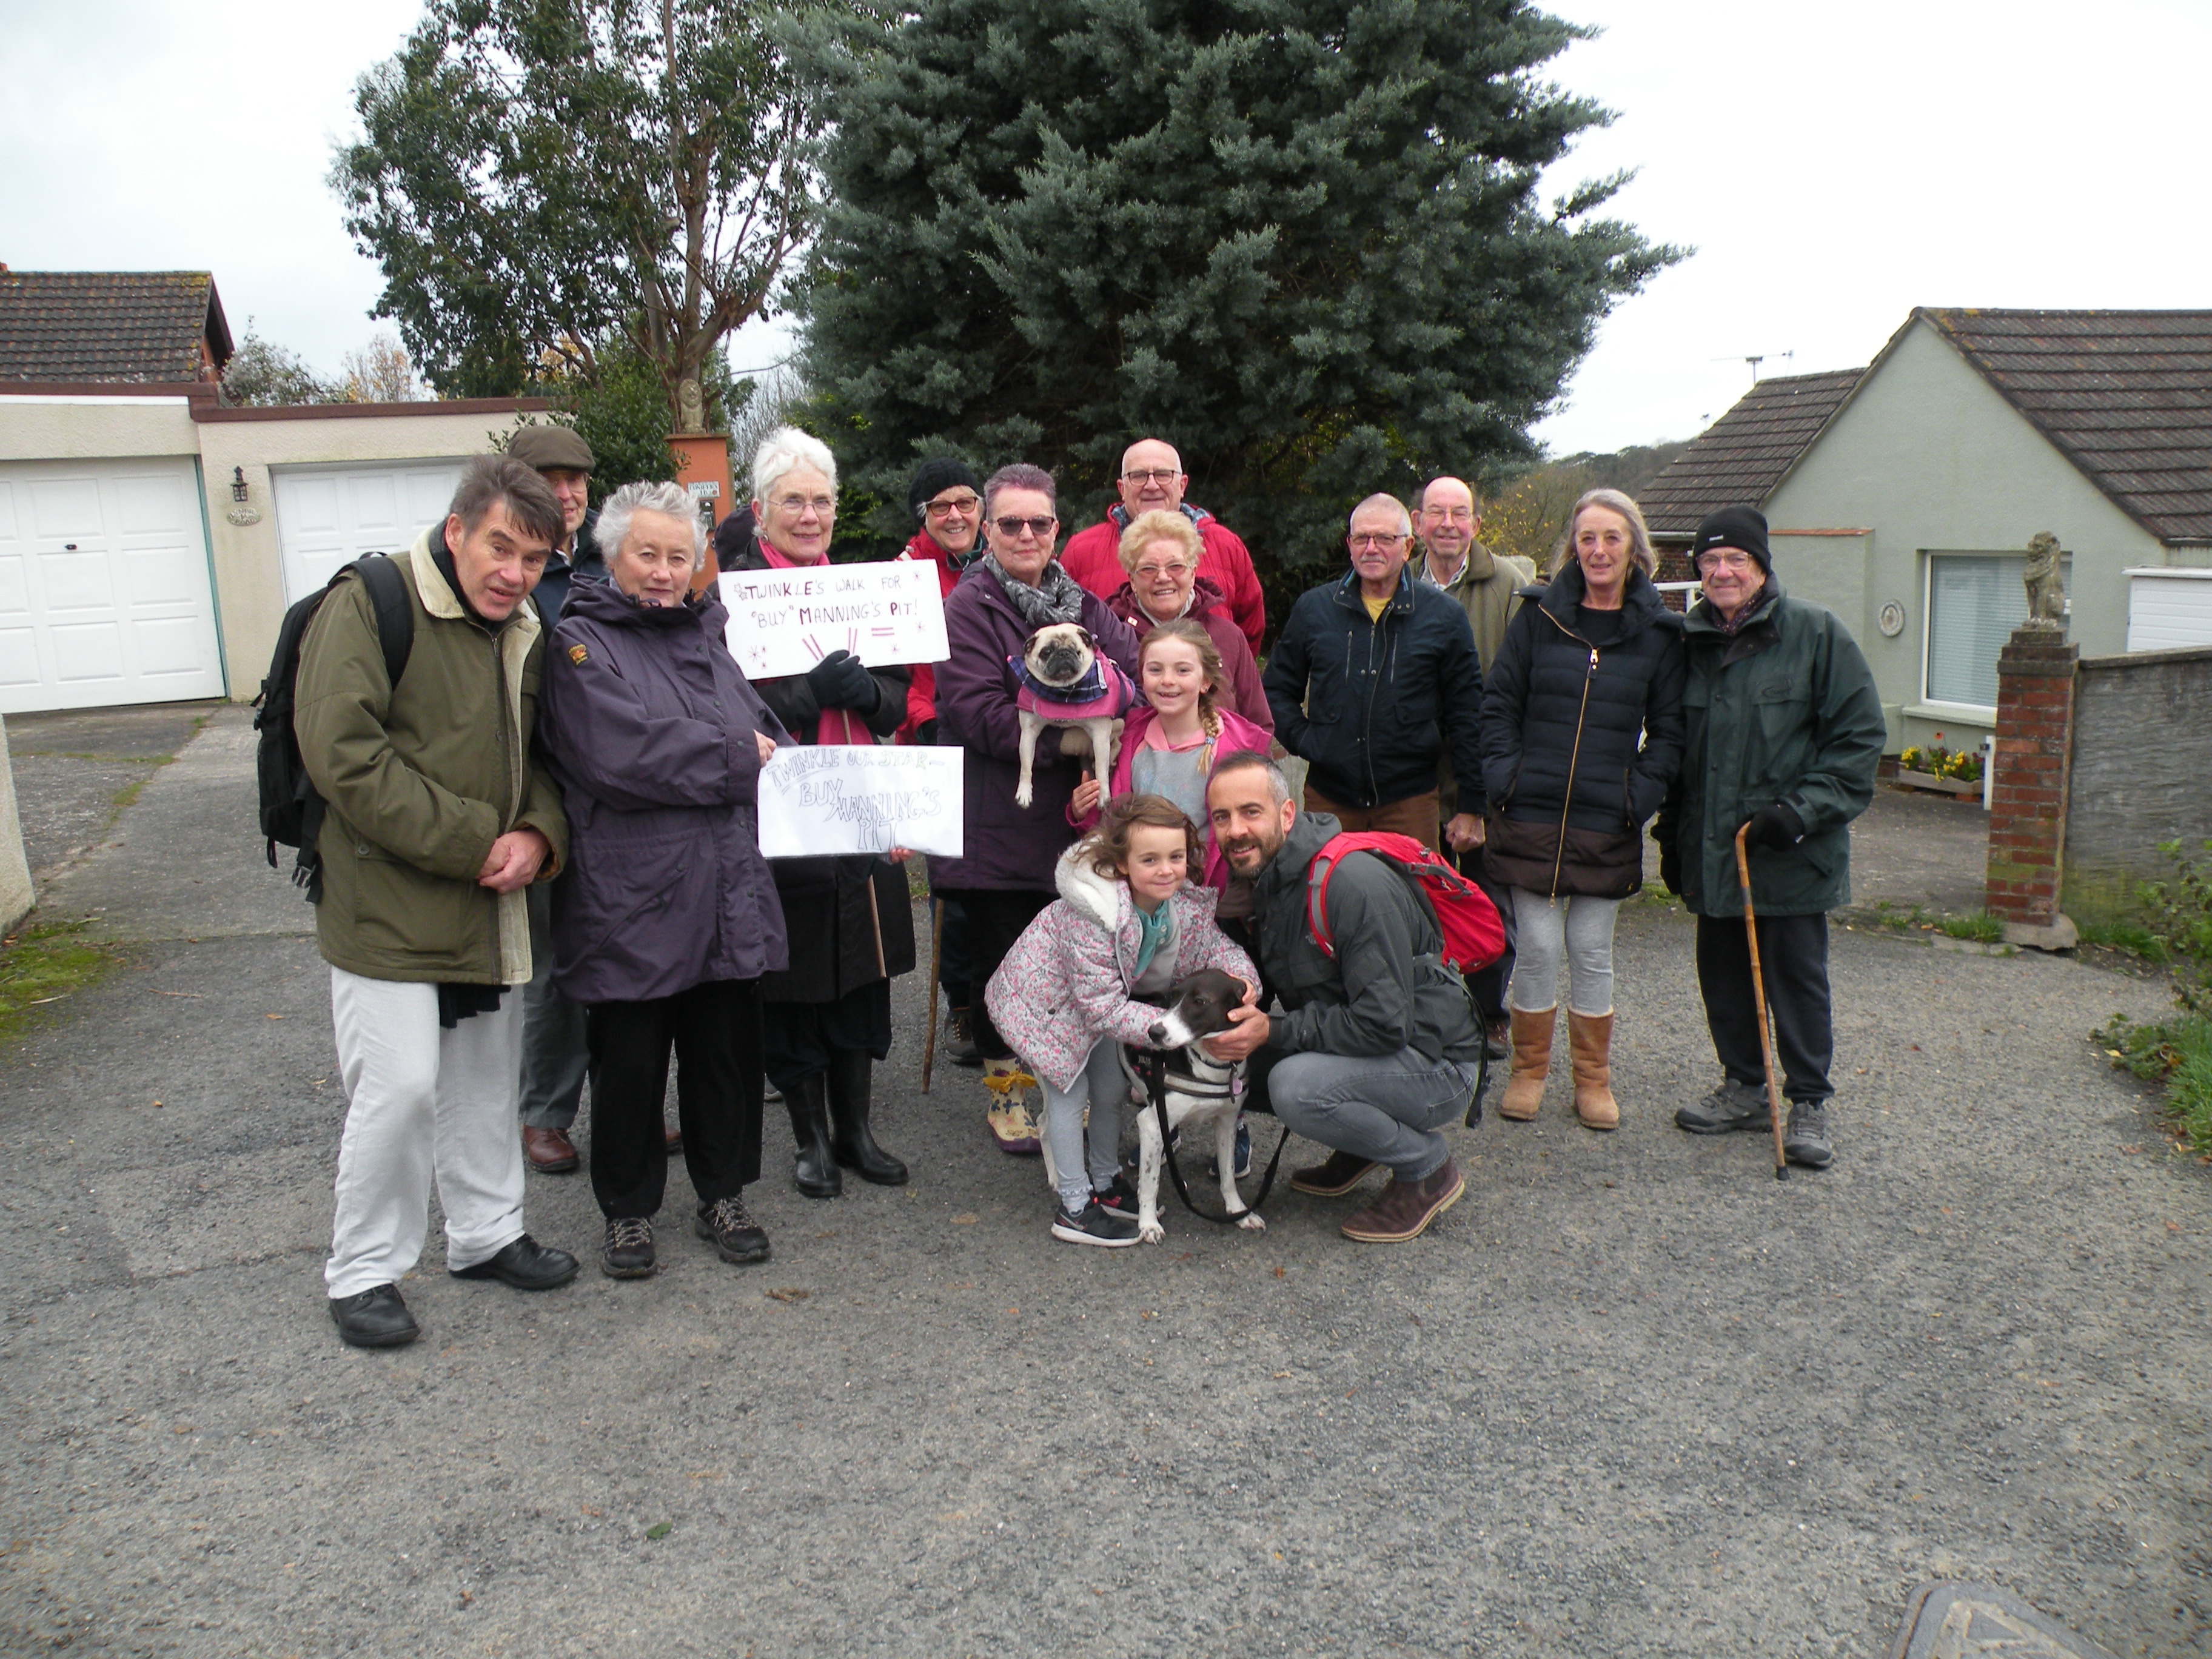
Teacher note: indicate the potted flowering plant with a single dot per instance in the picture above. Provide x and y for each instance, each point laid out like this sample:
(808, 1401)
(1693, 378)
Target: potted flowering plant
(1934, 767)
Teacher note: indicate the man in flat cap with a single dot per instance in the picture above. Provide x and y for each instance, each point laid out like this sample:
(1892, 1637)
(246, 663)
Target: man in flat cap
(553, 1057)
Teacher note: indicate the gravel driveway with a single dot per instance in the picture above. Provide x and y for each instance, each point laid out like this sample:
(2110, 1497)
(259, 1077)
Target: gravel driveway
(1632, 1396)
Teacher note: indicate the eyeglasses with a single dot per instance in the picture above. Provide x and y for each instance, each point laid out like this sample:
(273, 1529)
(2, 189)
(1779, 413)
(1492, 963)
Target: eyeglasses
(958, 504)
(1371, 538)
(1152, 572)
(1449, 514)
(1011, 528)
(1726, 558)
(793, 505)
(1151, 475)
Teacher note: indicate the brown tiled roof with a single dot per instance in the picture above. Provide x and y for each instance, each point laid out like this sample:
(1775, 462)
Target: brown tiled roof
(2125, 395)
(110, 325)
(1739, 459)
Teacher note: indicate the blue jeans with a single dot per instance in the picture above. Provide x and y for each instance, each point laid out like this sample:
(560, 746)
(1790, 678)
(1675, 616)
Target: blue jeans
(553, 1054)
(1390, 1108)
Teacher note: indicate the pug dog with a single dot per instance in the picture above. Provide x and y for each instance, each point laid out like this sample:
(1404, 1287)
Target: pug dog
(1061, 680)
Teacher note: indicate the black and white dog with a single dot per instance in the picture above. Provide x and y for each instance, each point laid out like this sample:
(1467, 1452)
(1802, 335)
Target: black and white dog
(1200, 1091)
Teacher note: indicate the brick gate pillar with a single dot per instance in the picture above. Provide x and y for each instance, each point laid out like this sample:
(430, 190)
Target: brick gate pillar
(2028, 805)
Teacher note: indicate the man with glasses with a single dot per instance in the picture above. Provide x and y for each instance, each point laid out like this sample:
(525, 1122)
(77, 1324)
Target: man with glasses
(1483, 585)
(1376, 681)
(1152, 481)
(1785, 729)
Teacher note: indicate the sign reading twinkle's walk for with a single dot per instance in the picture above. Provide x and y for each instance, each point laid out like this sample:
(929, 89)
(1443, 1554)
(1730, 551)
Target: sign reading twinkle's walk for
(784, 621)
(819, 798)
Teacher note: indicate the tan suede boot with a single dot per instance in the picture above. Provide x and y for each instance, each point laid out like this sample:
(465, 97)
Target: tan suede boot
(1589, 1037)
(1532, 1059)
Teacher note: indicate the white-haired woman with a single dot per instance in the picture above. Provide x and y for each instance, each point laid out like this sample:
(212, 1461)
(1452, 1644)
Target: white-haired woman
(829, 1015)
(1582, 731)
(667, 917)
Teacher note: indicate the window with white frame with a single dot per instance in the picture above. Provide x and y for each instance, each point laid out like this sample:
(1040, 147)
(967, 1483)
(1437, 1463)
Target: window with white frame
(1975, 600)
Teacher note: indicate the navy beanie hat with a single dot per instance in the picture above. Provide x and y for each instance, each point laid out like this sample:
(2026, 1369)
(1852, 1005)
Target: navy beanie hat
(940, 472)
(1735, 527)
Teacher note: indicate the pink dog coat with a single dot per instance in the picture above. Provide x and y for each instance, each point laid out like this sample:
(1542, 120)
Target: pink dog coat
(1104, 694)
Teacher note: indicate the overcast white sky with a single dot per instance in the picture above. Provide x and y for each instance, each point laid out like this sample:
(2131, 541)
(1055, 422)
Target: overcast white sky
(1834, 167)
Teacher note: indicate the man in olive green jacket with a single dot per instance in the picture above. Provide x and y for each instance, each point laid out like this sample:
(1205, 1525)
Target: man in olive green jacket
(437, 823)
(1785, 731)
(1484, 583)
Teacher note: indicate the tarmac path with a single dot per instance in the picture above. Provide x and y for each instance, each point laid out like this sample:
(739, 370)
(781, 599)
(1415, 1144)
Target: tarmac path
(1632, 1396)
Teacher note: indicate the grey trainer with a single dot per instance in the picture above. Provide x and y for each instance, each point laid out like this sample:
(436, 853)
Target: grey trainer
(1732, 1106)
(1806, 1140)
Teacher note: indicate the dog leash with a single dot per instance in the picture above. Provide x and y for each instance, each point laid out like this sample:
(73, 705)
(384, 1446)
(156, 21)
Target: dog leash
(1150, 1067)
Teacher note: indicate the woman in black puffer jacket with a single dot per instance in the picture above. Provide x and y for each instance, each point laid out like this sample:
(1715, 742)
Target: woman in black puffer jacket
(1582, 732)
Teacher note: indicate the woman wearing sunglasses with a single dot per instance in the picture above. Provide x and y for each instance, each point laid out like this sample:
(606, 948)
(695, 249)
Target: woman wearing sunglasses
(1005, 876)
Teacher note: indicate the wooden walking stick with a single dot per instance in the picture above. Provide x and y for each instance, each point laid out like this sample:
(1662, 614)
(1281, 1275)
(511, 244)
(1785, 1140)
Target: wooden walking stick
(936, 963)
(1759, 991)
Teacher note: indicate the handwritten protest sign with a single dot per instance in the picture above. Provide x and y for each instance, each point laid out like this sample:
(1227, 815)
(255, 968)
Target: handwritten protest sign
(829, 797)
(784, 621)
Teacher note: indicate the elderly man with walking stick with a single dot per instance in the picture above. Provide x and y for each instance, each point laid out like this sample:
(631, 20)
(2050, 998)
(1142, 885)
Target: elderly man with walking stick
(1785, 729)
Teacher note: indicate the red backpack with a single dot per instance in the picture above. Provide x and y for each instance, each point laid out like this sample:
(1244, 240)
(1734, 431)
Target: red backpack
(1474, 937)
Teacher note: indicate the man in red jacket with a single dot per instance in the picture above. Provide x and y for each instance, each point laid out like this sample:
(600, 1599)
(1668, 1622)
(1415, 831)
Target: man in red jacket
(1152, 480)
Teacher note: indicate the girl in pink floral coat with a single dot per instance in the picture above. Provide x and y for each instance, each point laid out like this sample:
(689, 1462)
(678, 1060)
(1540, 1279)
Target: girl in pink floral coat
(1092, 972)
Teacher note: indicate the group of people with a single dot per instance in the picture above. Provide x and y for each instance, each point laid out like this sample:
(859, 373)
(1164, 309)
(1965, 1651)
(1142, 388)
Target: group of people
(556, 796)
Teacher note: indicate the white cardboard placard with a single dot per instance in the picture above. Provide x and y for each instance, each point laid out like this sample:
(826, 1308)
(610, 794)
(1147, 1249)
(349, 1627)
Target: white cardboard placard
(784, 621)
(834, 798)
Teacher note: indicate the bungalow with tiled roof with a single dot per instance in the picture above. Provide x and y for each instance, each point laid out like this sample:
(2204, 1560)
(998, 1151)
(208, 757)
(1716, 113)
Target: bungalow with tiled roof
(1903, 495)
(151, 535)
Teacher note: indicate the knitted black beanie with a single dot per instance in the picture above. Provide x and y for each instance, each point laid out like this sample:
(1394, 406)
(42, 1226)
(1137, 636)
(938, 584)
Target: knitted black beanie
(1735, 527)
(938, 472)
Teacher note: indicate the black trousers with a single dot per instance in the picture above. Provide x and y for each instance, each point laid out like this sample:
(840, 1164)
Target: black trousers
(953, 972)
(798, 1038)
(1793, 959)
(996, 917)
(1488, 986)
(715, 1029)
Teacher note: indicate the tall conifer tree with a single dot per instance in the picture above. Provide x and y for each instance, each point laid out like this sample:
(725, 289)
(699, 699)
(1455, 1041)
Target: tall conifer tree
(1300, 239)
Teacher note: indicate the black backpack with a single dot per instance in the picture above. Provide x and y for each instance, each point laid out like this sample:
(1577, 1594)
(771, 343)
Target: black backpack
(291, 810)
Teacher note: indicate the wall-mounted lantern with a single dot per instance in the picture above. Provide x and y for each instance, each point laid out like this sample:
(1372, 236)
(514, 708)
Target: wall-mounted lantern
(238, 484)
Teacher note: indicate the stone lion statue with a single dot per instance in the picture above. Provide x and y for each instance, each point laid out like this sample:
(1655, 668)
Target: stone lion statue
(2046, 594)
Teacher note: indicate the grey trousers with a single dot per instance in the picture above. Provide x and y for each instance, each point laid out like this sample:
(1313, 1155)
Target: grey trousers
(1087, 1161)
(553, 1053)
(1390, 1108)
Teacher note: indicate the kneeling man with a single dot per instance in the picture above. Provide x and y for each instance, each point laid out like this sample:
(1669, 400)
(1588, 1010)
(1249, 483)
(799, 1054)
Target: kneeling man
(1376, 1049)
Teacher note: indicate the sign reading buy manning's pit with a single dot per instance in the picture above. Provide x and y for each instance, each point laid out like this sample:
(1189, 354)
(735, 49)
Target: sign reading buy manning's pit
(784, 621)
(817, 799)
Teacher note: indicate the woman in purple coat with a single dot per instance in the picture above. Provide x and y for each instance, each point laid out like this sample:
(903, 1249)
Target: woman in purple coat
(1005, 876)
(666, 917)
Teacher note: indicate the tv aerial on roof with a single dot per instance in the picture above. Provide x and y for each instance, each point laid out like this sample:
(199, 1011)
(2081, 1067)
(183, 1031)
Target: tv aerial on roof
(1754, 360)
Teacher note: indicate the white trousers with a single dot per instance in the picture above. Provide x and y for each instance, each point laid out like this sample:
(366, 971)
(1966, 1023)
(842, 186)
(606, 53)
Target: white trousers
(423, 1101)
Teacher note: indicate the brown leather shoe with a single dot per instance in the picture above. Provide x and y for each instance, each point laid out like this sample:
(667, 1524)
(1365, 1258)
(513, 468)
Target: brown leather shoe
(1589, 1037)
(1532, 1061)
(550, 1150)
(1406, 1207)
(1334, 1177)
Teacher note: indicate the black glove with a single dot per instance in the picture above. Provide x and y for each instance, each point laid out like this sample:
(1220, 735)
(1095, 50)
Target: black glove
(1670, 870)
(1777, 825)
(841, 680)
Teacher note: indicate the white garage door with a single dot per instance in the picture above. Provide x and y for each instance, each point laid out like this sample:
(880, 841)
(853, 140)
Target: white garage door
(104, 588)
(326, 515)
(2169, 609)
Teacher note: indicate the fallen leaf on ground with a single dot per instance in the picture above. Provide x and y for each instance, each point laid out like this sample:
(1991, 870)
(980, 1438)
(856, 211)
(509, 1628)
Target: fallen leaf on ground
(789, 1295)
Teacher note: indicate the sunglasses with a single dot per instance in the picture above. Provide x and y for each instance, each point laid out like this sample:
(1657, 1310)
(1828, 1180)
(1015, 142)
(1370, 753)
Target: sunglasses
(1011, 528)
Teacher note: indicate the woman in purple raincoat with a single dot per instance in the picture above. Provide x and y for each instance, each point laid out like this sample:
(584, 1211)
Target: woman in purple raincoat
(666, 917)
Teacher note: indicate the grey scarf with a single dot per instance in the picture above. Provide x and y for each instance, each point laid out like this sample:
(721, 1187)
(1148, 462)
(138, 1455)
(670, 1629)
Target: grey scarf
(1057, 597)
